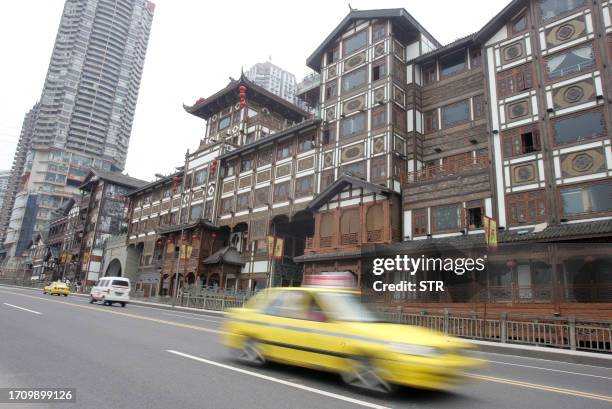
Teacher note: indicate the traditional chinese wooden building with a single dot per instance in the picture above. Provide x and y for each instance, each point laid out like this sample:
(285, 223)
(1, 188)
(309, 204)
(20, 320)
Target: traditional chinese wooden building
(413, 145)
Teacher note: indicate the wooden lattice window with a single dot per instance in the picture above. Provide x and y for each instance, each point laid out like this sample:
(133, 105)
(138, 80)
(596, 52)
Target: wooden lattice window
(419, 222)
(350, 227)
(514, 81)
(527, 207)
(430, 120)
(374, 223)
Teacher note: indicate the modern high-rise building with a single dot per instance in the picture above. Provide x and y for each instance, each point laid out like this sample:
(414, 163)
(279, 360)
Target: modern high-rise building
(86, 108)
(15, 182)
(5, 175)
(274, 79)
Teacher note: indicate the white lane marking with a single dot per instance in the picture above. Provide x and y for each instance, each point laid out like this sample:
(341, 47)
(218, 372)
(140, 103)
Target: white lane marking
(21, 308)
(527, 358)
(549, 369)
(281, 381)
(191, 318)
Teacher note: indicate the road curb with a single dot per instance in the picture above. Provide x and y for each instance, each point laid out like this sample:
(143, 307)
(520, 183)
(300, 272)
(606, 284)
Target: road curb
(561, 355)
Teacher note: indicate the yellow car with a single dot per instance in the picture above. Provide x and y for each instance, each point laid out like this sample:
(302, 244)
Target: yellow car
(57, 288)
(330, 329)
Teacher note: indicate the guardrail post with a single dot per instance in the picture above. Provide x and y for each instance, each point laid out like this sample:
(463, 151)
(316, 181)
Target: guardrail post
(503, 327)
(446, 320)
(204, 301)
(571, 322)
(188, 298)
(223, 302)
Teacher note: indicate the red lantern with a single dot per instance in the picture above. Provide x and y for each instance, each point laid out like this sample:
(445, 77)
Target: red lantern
(195, 236)
(213, 167)
(175, 182)
(159, 242)
(214, 235)
(511, 263)
(201, 99)
(242, 93)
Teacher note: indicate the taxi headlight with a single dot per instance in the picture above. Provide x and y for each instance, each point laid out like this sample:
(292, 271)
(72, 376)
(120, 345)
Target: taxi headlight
(411, 349)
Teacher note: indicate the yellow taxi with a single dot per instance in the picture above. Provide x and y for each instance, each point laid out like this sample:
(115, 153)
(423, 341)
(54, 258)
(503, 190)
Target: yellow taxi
(57, 288)
(330, 329)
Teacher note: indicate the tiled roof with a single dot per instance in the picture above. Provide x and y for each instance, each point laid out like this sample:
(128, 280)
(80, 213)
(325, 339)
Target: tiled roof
(185, 226)
(399, 15)
(339, 185)
(202, 108)
(155, 183)
(115, 177)
(226, 255)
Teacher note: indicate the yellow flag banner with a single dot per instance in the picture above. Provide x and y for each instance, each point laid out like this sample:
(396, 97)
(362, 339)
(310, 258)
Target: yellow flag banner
(490, 228)
(271, 246)
(279, 246)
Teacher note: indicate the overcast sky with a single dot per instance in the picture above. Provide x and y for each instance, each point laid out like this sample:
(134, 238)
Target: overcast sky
(195, 46)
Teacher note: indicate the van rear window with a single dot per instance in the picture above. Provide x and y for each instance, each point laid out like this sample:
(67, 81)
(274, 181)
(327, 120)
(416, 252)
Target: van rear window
(121, 283)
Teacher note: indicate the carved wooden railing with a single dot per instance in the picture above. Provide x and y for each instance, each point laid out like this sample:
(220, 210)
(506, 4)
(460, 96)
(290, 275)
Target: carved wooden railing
(447, 169)
(349, 238)
(375, 236)
(325, 241)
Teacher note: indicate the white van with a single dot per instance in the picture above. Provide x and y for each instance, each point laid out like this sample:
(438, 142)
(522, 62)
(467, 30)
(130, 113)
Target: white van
(110, 290)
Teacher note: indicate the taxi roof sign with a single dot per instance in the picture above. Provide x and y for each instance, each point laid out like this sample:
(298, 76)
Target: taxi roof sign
(335, 279)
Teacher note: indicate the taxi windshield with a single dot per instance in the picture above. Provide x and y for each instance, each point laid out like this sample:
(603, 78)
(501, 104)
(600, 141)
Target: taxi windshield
(347, 307)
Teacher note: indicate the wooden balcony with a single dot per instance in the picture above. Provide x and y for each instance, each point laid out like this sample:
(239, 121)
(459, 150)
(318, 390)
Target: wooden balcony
(455, 167)
(349, 239)
(375, 236)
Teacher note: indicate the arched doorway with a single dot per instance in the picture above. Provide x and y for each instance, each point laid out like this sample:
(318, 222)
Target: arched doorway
(113, 269)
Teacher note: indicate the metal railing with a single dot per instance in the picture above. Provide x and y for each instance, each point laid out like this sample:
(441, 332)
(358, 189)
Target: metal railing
(568, 333)
(557, 332)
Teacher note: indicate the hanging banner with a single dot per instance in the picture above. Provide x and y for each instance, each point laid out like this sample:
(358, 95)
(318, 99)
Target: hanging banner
(271, 246)
(279, 246)
(490, 228)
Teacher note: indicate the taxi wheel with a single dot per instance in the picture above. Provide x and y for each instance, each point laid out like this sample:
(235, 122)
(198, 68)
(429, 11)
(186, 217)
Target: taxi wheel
(364, 375)
(250, 353)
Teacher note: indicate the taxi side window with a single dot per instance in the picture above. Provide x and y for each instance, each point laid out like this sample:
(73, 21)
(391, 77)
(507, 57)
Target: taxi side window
(314, 312)
(288, 304)
(296, 305)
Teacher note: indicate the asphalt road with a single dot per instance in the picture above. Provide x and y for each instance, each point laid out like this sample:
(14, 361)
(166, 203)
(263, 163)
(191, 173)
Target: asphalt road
(141, 357)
